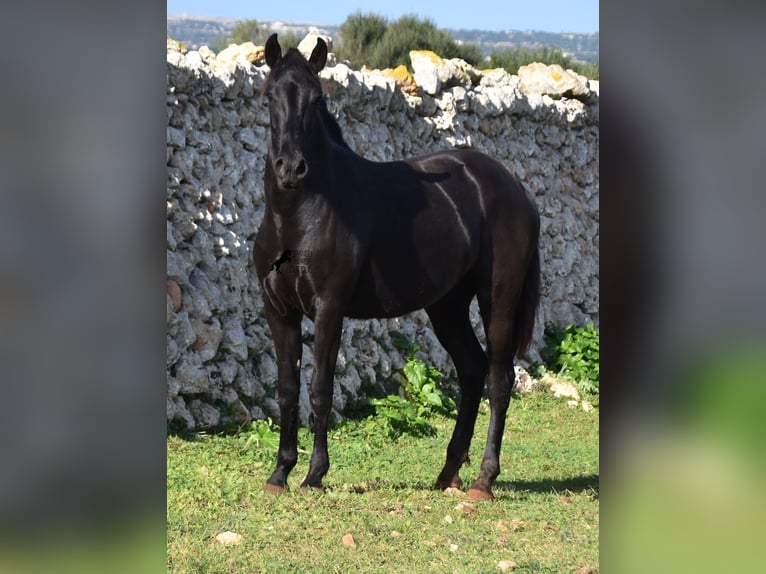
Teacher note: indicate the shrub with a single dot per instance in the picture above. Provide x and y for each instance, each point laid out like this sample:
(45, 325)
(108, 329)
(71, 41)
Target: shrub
(358, 34)
(369, 39)
(574, 352)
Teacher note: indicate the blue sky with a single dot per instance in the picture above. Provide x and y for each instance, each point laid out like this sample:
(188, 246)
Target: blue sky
(546, 15)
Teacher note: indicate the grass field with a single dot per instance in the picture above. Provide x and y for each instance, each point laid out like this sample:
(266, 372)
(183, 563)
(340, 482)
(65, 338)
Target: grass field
(545, 517)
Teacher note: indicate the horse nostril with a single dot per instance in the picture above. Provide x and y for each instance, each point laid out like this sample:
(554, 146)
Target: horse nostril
(302, 169)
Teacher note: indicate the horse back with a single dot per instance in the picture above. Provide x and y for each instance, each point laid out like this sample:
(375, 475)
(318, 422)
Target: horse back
(429, 219)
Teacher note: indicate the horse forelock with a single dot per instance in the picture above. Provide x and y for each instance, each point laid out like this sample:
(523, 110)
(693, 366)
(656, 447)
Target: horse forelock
(291, 63)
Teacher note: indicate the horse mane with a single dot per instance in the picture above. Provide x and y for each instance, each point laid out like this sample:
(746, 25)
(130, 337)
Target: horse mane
(331, 124)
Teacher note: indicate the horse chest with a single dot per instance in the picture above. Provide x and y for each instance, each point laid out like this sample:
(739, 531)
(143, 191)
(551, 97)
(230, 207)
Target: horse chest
(298, 271)
(289, 284)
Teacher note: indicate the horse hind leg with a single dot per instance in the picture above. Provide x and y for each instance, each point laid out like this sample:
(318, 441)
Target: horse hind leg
(497, 309)
(450, 320)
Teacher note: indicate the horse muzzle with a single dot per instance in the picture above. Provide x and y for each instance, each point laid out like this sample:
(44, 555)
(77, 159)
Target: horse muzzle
(290, 171)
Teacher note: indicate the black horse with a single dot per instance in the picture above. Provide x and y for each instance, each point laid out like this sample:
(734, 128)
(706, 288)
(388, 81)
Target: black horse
(381, 240)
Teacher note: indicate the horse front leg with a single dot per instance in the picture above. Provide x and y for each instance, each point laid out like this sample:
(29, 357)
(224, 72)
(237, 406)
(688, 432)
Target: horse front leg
(286, 333)
(327, 331)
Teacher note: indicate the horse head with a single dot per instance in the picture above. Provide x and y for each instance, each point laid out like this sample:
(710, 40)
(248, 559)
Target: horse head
(294, 93)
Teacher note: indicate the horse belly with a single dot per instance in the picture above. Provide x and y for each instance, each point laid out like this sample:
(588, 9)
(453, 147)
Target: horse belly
(394, 287)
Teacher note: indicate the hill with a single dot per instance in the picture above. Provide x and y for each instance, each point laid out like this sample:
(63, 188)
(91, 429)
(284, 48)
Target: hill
(195, 31)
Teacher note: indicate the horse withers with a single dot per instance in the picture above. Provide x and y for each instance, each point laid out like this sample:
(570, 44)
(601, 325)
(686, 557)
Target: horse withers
(343, 236)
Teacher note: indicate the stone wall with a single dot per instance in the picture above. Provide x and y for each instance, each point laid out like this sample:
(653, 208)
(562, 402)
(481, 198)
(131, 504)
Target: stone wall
(220, 360)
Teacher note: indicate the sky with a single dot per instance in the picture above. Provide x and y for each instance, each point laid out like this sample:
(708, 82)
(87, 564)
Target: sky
(546, 16)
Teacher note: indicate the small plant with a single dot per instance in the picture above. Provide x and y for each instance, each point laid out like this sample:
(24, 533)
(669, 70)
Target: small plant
(421, 397)
(398, 416)
(262, 436)
(574, 352)
(421, 384)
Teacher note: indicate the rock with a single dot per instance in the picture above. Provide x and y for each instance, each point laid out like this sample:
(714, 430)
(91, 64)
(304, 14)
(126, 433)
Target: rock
(462, 73)
(208, 338)
(176, 137)
(181, 413)
(267, 369)
(176, 46)
(206, 53)
(228, 538)
(271, 408)
(497, 77)
(234, 340)
(561, 387)
(309, 42)
(173, 387)
(205, 416)
(229, 369)
(190, 375)
(246, 52)
(172, 353)
(178, 267)
(175, 294)
(170, 408)
(239, 413)
(553, 81)
(433, 73)
(182, 330)
(403, 79)
(524, 382)
(430, 70)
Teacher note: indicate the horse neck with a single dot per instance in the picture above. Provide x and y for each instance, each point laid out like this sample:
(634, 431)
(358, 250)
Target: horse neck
(332, 131)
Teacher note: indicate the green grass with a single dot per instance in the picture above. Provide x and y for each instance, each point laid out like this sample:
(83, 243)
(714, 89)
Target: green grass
(544, 518)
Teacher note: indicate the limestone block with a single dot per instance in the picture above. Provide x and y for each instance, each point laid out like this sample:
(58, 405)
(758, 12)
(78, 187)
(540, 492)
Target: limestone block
(309, 42)
(553, 80)
(430, 70)
(403, 78)
(243, 53)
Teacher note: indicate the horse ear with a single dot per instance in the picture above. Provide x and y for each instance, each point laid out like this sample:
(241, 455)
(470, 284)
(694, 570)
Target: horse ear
(318, 56)
(273, 50)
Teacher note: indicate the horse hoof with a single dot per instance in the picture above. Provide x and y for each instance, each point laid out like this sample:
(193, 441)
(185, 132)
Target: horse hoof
(476, 494)
(273, 488)
(448, 486)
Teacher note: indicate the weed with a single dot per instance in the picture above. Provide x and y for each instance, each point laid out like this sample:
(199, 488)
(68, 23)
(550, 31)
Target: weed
(399, 416)
(422, 399)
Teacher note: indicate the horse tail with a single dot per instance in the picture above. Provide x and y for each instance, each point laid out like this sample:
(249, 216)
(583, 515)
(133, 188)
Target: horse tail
(526, 309)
